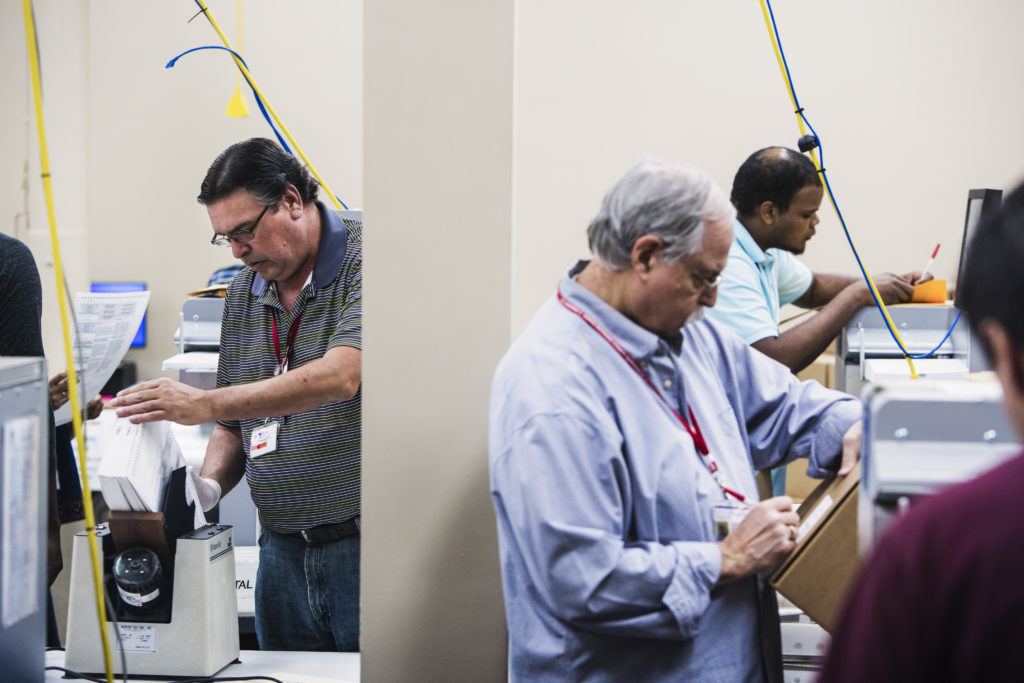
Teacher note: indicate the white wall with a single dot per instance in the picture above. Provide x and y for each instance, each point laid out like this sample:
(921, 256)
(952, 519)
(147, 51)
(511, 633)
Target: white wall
(470, 225)
(130, 140)
(436, 318)
(915, 102)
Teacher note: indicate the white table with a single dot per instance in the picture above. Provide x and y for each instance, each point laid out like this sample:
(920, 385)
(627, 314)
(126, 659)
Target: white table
(289, 667)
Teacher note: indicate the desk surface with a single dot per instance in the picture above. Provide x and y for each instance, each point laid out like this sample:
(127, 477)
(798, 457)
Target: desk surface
(288, 667)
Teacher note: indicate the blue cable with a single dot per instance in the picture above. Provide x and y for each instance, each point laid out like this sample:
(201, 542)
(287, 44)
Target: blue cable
(256, 96)
(835, 204)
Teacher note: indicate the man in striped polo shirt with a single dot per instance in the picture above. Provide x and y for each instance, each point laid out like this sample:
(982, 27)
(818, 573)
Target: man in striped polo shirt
(287, 402)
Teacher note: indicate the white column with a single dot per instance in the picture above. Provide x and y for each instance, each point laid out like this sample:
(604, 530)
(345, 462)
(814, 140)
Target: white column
(438, 234)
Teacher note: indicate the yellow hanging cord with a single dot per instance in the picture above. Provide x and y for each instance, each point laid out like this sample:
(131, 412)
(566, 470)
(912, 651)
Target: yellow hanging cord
(277, 120)
(76, 410)
(821, 173)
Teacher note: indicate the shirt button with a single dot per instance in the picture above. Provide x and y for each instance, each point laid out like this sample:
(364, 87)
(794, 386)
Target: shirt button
(667, 384)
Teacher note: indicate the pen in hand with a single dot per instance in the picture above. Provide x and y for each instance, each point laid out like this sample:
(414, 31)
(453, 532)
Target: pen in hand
(927, 266)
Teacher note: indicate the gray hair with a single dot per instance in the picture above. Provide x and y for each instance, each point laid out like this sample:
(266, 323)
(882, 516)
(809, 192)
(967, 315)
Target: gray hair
(671, 201)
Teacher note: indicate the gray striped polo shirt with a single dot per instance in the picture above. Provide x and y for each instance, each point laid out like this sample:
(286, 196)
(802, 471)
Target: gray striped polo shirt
(312, 478)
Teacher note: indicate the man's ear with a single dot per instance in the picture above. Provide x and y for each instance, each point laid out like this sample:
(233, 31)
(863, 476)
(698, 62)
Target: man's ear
(645, 251)
(292, 201)
(768, 212)
(1006, 358)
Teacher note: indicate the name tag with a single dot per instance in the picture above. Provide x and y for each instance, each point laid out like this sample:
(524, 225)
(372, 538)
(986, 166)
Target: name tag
(264, 439)
(727, 516)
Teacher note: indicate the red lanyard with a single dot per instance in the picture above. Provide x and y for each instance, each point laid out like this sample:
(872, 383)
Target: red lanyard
(282, 364)
(694, 431)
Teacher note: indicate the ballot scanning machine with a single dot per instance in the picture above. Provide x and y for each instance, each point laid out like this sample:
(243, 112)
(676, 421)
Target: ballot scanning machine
(170, 591)
(24, 452)
(923, 435)
(867, 352)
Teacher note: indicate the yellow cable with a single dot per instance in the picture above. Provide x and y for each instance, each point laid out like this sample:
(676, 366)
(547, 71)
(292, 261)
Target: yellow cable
(248, 76)
(76, 412)
(821, 173)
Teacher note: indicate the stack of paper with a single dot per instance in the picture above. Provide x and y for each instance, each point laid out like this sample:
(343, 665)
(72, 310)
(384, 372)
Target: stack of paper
(137, 464)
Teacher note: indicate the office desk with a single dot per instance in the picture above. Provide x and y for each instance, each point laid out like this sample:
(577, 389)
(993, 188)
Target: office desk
(289, 667)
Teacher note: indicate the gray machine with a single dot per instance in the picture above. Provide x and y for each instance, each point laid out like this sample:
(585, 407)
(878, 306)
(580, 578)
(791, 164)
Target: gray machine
(865, 350)
(170, 589)
(923, 435)
(24, 453)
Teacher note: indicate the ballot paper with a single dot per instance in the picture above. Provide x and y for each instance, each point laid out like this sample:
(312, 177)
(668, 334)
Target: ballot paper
(105, 324)
(137, 463)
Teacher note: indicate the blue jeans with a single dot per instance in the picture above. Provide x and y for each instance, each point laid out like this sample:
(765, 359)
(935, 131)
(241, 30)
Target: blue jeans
(307, 597)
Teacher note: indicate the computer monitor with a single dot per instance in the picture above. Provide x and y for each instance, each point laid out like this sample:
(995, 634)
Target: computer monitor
(980, 203)
(140, 336)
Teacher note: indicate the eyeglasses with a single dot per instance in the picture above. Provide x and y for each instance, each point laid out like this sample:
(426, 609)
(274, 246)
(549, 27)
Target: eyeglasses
(707, 284)
(242, 235)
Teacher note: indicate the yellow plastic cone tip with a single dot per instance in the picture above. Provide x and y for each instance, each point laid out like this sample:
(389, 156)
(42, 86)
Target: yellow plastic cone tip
(236, 107)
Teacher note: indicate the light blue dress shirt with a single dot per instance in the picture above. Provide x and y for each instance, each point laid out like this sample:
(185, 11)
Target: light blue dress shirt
(757, 283)
(607, 546)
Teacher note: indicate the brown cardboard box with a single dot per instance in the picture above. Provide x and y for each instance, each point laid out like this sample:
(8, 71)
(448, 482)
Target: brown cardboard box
(822, 369)
(817, 574)
(798, 485)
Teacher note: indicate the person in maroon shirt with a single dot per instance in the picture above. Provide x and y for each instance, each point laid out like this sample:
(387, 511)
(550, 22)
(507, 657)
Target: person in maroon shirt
(941, 597)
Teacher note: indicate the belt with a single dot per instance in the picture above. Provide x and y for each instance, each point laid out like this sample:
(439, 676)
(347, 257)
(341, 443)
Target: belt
(330, 532)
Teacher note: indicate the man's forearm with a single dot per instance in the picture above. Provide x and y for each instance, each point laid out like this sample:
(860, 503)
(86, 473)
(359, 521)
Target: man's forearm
(225, 458)
(798, 346)
(330, 379)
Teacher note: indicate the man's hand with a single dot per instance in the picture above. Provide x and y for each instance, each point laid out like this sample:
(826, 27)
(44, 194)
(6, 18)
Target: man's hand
(58, 390)
(916, 279)
(93, 408)
(760, 541)
(892, 288)
(162, 399)
(59, 396)
(208, 490)
(851, 448)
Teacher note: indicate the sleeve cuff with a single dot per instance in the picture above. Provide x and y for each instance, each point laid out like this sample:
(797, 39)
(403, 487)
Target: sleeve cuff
(827, 451)
(689, 594)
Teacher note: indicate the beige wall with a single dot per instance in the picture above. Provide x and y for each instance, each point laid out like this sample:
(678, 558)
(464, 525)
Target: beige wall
(915, 101)
(130, 140)
(492, 129)
(436, 312)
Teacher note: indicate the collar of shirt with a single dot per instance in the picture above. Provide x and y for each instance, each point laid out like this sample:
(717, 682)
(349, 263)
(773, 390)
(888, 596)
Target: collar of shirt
(329, 255)
(747, 243)
(639, 342)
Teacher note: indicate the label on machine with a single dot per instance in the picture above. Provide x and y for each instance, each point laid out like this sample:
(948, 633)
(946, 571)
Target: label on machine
(137, 637)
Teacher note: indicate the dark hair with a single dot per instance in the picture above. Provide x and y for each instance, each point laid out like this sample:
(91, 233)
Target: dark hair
(261, 167)
(993, 280)
(773, 174)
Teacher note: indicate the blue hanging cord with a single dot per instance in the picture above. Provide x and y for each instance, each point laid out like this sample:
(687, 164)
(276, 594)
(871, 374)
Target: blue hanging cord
(259, 100)
(835, 204)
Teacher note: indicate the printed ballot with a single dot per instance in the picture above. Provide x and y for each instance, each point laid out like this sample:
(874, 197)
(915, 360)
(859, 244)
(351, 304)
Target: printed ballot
(104, 327)
(137, 463)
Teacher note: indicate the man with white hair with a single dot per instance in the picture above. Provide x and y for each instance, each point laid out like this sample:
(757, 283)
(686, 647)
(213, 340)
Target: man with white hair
(624, 433)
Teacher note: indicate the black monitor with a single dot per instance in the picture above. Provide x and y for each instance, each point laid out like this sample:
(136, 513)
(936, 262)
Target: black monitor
(139, 340)
(980, 203)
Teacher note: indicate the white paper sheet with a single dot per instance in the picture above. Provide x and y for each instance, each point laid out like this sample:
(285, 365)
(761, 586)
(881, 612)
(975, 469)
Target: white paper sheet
(138, 464)
(107, 323)
(20, 549)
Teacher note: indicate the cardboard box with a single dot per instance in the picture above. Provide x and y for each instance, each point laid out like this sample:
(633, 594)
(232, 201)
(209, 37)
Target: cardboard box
(798, 485)
(817, 574)
(823, 369)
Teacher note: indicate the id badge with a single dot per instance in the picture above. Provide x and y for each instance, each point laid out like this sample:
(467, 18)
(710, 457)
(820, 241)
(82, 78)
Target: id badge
(728, 516)
(263, 439)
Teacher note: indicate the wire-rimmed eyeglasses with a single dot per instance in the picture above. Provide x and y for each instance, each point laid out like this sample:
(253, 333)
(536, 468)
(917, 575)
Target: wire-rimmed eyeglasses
(241, 236)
